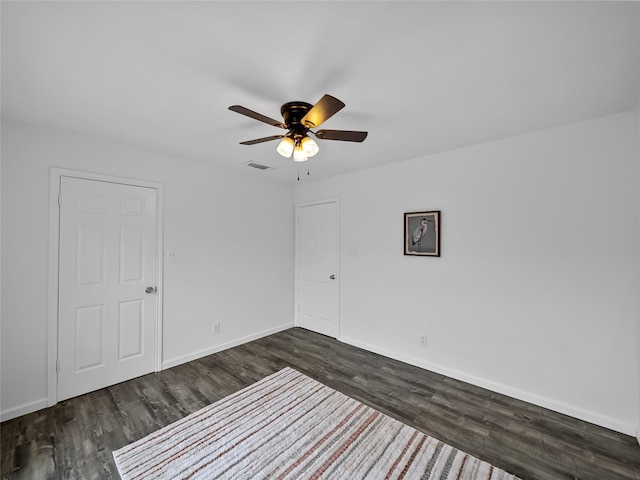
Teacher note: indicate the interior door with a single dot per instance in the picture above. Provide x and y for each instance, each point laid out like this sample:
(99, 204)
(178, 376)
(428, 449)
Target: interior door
(107, 284)
(317, 265)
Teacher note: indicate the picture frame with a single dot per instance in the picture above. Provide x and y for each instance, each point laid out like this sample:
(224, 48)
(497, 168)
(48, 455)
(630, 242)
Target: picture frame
(422, 233)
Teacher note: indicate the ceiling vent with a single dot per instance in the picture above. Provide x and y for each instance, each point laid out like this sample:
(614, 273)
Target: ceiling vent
(257, 165)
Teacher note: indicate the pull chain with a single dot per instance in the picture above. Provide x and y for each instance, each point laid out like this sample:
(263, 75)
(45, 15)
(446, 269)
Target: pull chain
(299, 171)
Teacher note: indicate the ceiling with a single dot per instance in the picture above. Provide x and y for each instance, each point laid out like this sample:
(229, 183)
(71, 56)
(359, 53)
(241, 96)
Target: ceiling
(420, 77)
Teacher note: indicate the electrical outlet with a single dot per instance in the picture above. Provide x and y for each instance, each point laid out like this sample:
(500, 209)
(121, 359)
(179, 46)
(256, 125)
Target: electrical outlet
(215, 328)
(423, 341)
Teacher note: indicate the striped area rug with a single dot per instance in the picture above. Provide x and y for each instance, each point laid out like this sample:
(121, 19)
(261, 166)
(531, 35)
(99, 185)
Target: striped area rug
(288, 426)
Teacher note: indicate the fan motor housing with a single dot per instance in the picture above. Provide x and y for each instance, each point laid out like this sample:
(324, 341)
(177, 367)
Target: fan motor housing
(293, 113)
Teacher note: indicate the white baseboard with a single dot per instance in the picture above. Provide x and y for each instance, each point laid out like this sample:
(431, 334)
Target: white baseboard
(23, 410)
(219, 348)
(572, 411)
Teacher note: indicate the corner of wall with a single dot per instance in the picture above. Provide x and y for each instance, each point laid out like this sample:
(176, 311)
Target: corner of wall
(637, 117)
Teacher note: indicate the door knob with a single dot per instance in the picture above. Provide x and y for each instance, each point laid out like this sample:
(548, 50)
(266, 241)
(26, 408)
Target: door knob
(151, 289)
(332, 277)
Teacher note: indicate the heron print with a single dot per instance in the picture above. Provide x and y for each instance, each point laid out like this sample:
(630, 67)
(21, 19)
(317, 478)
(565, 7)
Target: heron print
(422, 233)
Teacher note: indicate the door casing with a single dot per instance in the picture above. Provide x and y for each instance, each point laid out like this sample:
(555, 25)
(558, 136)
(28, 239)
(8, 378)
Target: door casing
(54, 235)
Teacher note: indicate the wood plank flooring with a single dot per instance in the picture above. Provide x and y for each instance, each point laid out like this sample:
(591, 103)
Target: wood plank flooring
(74, 439)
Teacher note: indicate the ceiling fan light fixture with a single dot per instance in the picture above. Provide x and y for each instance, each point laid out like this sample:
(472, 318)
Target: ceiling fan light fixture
(298, 118)
(286, 146)
(309, 146)
(299, 155)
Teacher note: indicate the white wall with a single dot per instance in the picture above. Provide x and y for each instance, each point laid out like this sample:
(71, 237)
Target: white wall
(535, 294)
(232, 235)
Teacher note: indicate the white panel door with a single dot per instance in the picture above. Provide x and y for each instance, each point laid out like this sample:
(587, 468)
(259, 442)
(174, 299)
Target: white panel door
(317, 261)
(107, 261)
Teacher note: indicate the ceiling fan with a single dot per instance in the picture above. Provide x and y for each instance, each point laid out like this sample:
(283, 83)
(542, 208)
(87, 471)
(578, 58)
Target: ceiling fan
(299, 118)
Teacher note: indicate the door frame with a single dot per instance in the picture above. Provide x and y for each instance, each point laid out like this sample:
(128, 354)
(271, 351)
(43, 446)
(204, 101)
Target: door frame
(53, 273)
(335, 200)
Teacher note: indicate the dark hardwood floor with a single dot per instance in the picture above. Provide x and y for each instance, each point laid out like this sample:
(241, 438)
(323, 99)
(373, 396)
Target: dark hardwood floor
(74, 439)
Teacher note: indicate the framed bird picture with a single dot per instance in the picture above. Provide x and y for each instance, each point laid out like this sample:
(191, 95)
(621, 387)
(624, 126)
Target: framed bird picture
(422, 233)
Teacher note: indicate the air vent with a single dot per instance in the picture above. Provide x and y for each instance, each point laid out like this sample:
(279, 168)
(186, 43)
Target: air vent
(257, 165)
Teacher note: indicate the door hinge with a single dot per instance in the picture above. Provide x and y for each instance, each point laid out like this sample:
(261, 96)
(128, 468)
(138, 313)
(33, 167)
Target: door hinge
(57, 366)
(59, 199)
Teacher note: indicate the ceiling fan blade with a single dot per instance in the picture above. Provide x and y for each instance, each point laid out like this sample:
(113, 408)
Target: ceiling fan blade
(260, 140)
(326, 107)
(343, 135)
(255, 115)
